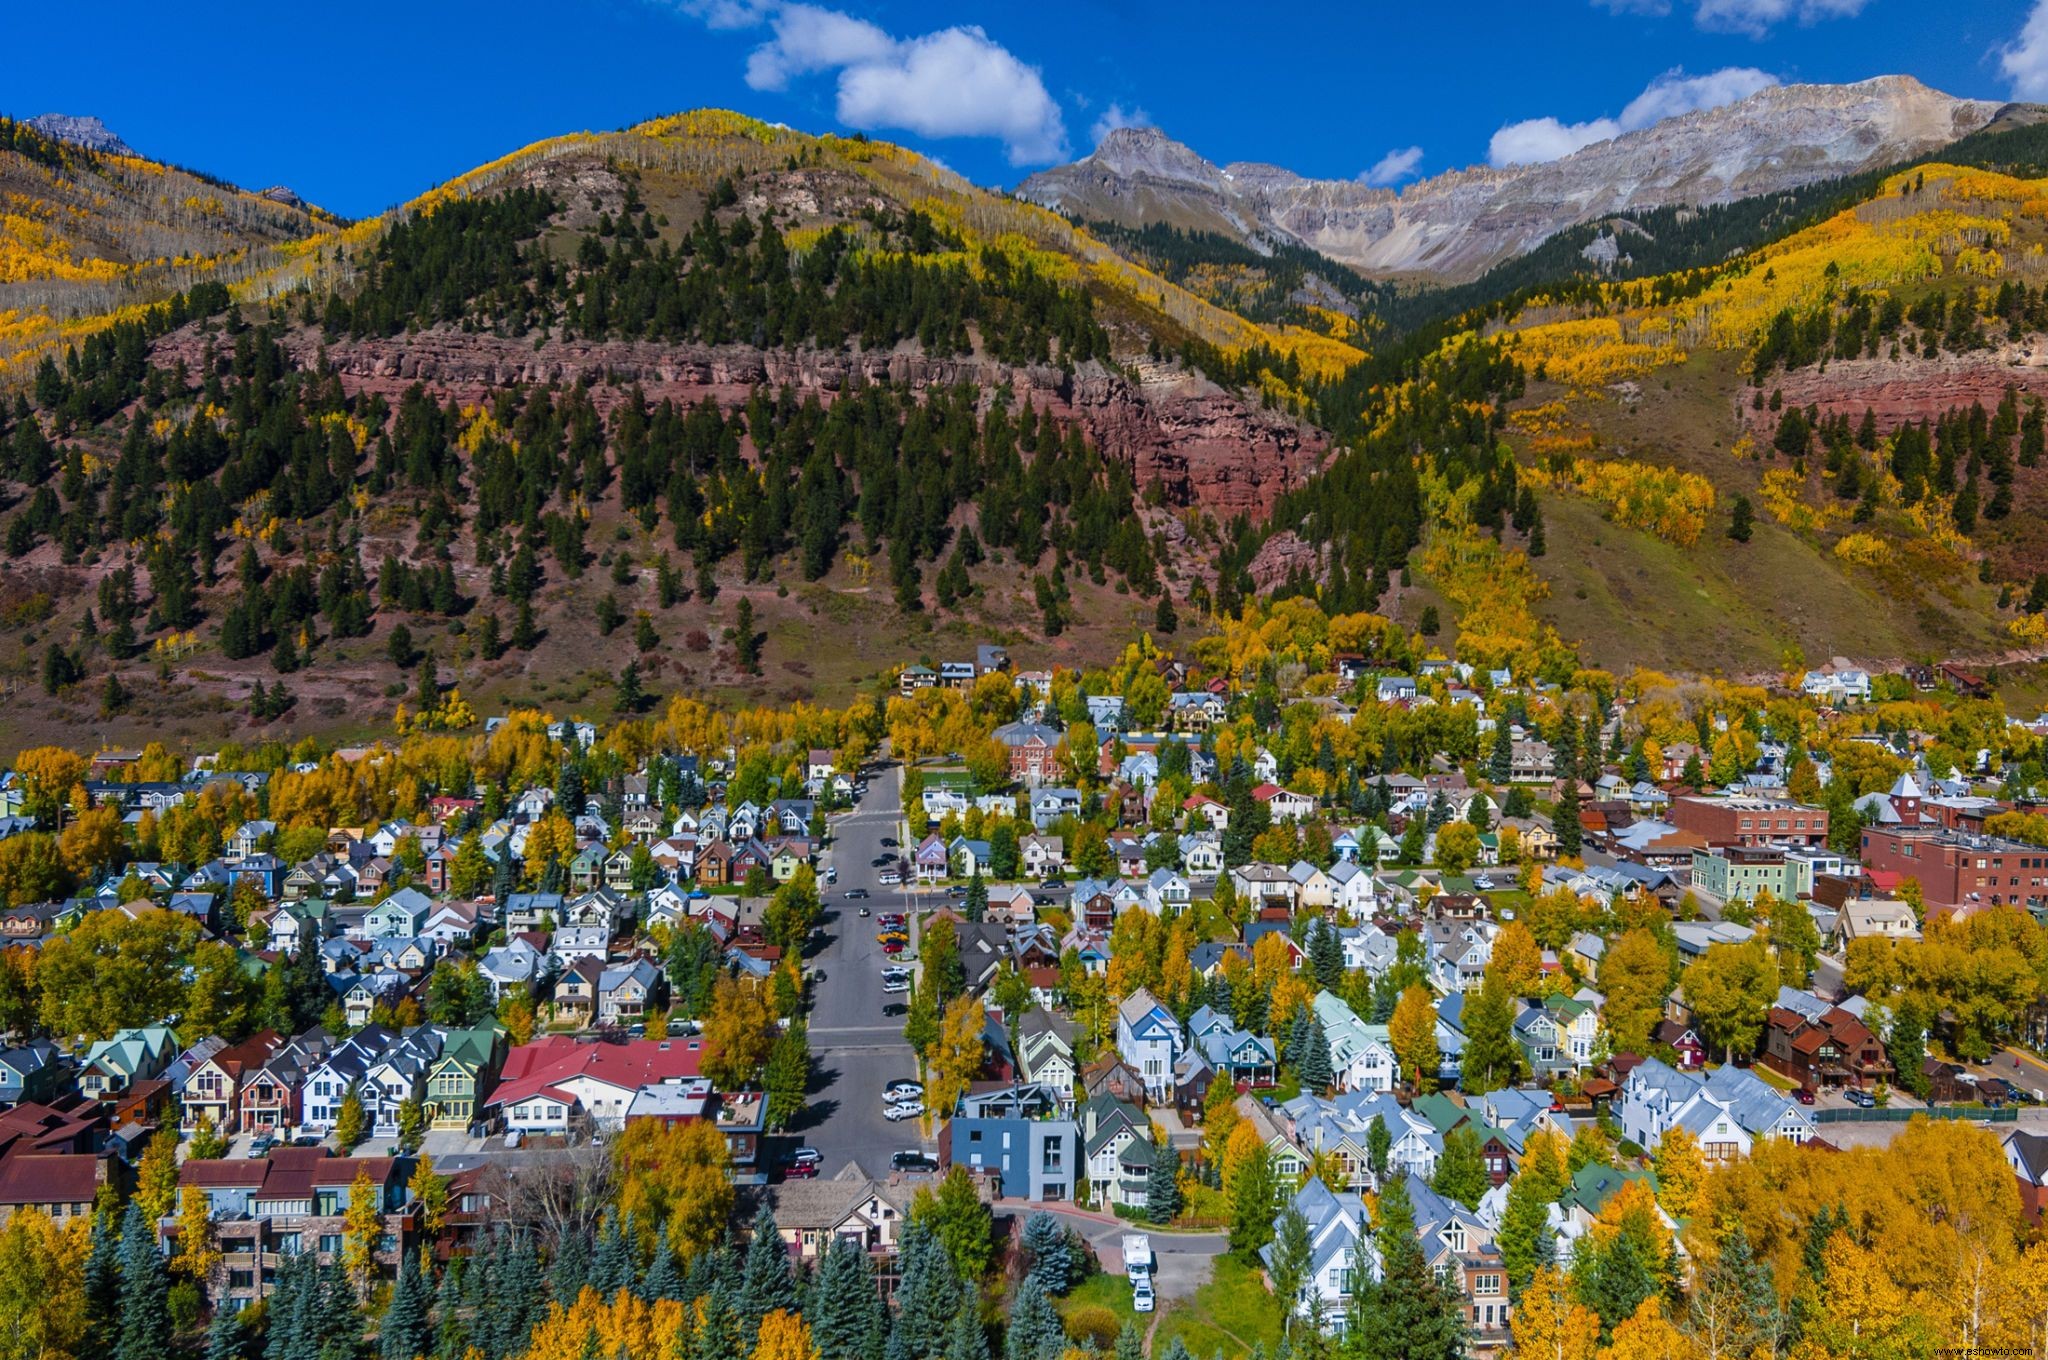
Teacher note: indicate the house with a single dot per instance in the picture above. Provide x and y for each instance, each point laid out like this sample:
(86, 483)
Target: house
(575, 998)
(1048, 805)
(556, 1084)
(268, 1099)
(1194, 710)
(1876, 918)
(32, 1071)
(212, 1091)
(1150, 1040)
(1726, 1110)
(1247, 1059)
(131, 1055)
(1831, 1050)
(1341, 1252)
(1032, 1159)
(463, 1074)
(811, 1215)
(516, 963)
(572, 943)
(1117, 1144)
(1361, 1055)
(2026, 1152)
(1165, 888)
(1284, 804)
(1045, 1050)
(625, 991)
(1041, 856)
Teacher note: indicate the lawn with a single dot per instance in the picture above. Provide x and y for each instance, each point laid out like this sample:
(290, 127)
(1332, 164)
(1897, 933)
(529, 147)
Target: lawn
(1098, 1308)
(1230, 1314)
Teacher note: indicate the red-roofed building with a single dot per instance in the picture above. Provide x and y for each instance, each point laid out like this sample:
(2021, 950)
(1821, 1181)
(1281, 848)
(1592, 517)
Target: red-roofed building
(294, 1202)
(557, 1083)
(62, 1185)
(1285, 804)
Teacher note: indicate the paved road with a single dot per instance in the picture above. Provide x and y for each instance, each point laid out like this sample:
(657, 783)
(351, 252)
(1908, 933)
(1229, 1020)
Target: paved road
(1182, 1262)
(857, 1048)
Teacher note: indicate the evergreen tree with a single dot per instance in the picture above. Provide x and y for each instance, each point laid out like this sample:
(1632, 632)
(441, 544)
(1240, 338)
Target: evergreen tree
(103, 1277)
(1326, 956)
(1908, 1048)
(721, 1334)
(1378, 1144)
(1130, 1345)
(1252, 1194)
(406, 1330)
(1162, 1183)
(1410, 1312)
(1524, 1226)
(844, 1308)
(1567, 827)
(976, 905)
(569, 1272)
(1500, 765)
(765, 1282)
(1051, 1250)
(1314, 1068)
(788, 1075)
(224, 1337)
(969, 1339)
(927, 1295)
(1613, 1279)
(1034, 1332)
(611, 1264)
(145, 1309)
(661, 1281)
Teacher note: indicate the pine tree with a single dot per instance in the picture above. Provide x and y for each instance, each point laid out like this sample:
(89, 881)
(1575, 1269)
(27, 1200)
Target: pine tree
(976, 905)
(969, 1339)
(102, 1284)
(145, 1310)
(1050, 1250)
(1567, 818)
(224, 1337)
(1326, 956)
(406, 1330)
(1379, 1144)
(765, 1282)
(1129, 1344)
(611, 1264)
(661, 1281)
(844, 1308)
(569, 1272)
(926, 1296)
(1035, 1332)
(1162, 1184)
(1410, 1312)
(1524, 1227)
(1314, 1068)
(1500, 766)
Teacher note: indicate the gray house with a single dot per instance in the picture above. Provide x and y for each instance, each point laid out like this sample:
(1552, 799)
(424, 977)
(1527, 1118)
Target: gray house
(1033, 1159)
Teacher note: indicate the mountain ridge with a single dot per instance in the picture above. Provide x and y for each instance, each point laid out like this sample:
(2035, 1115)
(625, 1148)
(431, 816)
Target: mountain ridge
(1455, 225)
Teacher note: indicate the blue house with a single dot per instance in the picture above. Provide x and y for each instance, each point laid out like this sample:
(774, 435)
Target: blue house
(1150, 1040)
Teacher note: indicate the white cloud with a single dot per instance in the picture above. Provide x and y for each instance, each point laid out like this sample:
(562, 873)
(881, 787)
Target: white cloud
(1754, 17)
(1394, 167)
(2025, 61)
(1757, 17)
(955, 82)
(1117, 116)
(1535, 140)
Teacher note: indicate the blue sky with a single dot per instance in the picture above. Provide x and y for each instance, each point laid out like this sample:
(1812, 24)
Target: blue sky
(362, 107)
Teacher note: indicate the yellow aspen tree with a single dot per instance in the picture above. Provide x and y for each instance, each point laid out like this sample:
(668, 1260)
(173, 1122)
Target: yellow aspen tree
(1549, 1324)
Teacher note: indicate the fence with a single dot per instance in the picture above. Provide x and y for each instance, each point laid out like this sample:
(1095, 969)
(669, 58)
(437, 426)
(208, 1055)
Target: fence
(1855, 1114)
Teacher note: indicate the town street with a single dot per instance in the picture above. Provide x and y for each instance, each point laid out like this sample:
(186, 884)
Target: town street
(855, 1047)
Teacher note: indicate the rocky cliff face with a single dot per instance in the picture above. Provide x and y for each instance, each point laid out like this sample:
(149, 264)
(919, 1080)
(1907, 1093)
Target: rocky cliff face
(1205, 446)
(87, 132)
(1459, 224)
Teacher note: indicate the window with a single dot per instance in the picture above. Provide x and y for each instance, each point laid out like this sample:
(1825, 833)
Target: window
(330, 1243)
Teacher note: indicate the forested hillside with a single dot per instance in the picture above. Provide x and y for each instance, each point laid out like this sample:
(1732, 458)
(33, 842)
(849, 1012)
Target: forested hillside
(790, 408)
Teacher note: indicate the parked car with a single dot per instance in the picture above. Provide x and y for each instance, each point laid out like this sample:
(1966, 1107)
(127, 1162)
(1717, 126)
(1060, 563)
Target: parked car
(832, 874)
(863, 911)
(856, 894)
(893, 947)
(1051, 885)
(806, 1156)
(261, 1147)
(913, 1161)
(888, 842)
(1803, 1096)
(903, 1090)
(1857, 1096)
(903, 1109)
(800, 1171)
(894, 987)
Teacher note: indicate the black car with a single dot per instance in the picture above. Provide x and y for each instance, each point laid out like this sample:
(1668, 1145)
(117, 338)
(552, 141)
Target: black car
(913, 1161)
(889, 842)
(856, 894)
(884, 861)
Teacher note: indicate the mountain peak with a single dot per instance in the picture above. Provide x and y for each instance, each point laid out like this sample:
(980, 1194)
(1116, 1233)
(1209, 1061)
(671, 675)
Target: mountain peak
(81, 130)
(1455, 225)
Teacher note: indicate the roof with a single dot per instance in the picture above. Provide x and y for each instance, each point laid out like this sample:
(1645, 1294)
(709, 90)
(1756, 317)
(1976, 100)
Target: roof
(532, 1068)
(49, 1178)
(816, 1205)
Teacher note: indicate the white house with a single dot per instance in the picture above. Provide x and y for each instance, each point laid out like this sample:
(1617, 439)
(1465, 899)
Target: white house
(1150, 1040)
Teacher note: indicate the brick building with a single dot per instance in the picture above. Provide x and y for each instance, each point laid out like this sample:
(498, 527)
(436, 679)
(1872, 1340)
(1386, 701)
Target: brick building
(1955, 870)
(1750, 821)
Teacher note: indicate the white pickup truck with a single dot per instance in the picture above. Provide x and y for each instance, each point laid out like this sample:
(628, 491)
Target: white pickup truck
(1138, 1266)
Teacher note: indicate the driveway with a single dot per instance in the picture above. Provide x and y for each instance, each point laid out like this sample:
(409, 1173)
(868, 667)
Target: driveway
(855, 1047)
(1182, 1262)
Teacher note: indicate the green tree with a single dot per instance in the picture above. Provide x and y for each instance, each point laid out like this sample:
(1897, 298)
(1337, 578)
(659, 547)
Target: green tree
(145, 1288)
(961, 1222)
(1293, 1259)
(1908, 1048)
(1162, 1183)
(1492, 1059)
(1252, 1193)
(788, 1076)
(407, 1330)
(1410, 1312)
(1461, 1169)
(746, 641)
